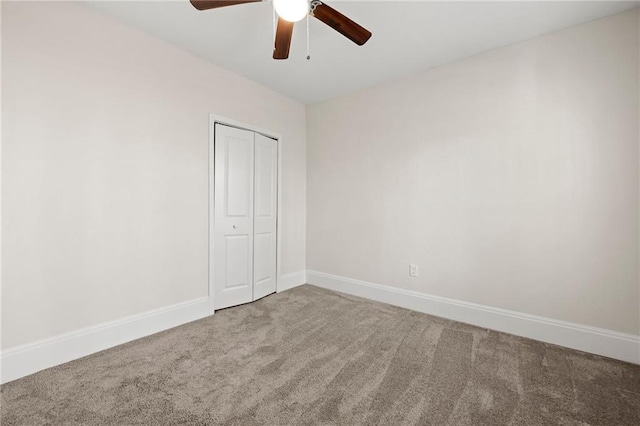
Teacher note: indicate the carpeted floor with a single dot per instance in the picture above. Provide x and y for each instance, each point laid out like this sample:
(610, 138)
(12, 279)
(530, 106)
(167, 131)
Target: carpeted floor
(311, 356)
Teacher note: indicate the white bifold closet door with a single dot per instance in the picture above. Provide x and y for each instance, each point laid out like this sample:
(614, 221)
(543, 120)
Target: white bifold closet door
(245, 217)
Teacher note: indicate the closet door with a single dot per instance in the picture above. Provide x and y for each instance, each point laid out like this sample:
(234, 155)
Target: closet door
(233, 215)
(265, 213)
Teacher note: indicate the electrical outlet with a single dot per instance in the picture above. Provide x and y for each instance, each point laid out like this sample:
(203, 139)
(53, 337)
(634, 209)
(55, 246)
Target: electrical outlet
(413, 270)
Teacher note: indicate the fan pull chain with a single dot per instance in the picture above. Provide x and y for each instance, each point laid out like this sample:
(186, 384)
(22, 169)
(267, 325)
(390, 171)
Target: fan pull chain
(308, 53)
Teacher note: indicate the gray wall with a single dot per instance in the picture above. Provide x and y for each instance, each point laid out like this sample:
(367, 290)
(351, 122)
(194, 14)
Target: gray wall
(105, 169)
(510, 178)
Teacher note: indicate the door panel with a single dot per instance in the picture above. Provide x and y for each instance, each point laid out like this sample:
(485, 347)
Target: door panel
(237, 177)
(266, 209)
(233, 216)
(237, 256)
(262, 264)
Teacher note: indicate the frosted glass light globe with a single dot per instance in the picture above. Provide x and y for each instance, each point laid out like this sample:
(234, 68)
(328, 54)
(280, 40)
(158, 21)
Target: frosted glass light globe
(291, 10)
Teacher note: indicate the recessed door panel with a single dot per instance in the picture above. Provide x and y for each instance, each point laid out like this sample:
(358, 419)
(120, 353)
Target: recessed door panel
(265, 184)
(262, 265)
(237, 177)
(237, 257)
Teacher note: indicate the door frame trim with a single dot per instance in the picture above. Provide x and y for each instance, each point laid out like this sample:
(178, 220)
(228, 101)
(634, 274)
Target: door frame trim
(217, 119)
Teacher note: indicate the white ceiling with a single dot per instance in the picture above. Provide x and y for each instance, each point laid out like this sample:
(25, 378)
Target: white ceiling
(408, 37)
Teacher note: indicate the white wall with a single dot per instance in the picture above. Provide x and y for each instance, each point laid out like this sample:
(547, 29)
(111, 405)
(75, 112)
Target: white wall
(510, 178)
(105, 169)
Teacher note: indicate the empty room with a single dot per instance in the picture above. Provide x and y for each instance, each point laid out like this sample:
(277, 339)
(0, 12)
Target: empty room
(292, 212)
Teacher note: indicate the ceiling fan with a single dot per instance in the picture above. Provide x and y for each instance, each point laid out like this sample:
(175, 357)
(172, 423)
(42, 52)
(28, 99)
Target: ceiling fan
(291, 11)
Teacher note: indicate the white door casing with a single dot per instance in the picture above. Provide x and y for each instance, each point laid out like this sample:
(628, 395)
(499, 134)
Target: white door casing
(265, 216)
(233, 216)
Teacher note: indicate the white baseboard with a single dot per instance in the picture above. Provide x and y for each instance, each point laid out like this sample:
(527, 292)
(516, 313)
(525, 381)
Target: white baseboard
(27, 359)
(625, 347)
(291, 280)
(30, 358)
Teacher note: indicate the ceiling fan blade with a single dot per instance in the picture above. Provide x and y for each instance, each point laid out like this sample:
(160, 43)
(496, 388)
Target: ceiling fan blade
(214, 4)
(340, 23)
(284, 31)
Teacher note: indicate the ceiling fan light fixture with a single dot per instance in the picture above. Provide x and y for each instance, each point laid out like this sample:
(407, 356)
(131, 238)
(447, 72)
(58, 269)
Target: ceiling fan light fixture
(291, 10)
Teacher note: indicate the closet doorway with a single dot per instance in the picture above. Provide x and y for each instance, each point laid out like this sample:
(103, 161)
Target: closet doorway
(244, 242)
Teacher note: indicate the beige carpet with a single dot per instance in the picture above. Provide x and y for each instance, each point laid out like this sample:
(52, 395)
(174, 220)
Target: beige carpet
(311, 356)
